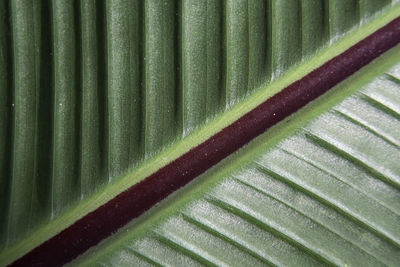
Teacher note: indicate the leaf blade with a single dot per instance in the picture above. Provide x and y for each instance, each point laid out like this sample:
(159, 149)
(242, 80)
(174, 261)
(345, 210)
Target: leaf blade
(271, 199)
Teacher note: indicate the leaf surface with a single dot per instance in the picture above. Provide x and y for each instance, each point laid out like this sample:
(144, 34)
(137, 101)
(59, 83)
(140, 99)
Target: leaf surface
(325, 193)
(97, 95)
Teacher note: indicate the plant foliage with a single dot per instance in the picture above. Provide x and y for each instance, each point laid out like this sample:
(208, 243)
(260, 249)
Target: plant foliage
(329, 194)
(97, 95)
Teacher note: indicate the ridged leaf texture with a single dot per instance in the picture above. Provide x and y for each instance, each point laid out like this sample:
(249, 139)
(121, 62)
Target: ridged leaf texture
(327, 195)
(90, 89)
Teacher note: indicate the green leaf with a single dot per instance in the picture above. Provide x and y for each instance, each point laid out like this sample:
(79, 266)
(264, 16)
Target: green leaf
(97, 95)
(318, 189)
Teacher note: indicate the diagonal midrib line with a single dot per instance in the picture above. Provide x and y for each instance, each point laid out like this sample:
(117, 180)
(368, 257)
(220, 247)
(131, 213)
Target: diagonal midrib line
(105, 220)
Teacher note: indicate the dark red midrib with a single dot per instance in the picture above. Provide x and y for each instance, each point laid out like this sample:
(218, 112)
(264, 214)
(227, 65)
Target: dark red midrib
(105, 220)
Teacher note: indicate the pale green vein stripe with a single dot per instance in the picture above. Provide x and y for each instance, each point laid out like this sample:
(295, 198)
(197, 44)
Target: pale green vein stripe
(361, 189)
(349, 153)
(200, 241)
(393, 76)
(211, 230)
(5, 118)
(237, 47)
(90, 165)
(382, 105)
(218, 222)
(388, 97)
(214, 42)
(335, 130)
(201, 54)
(160, 84)
(257, 18)
(245, 212)
(331, 230)
(371, 118)
(314, 28)
(341, 15)
(37, 210)
(350, 172)
(298, 225)
(354, 118)
(65, 175)
(386, 231)
(144, 257)
(194, 62)
(123, 85)
(285, 35)
(189, 251)
(320, 213)
(248, 234)
(162, 252)
(25, 20)
(369, 8)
